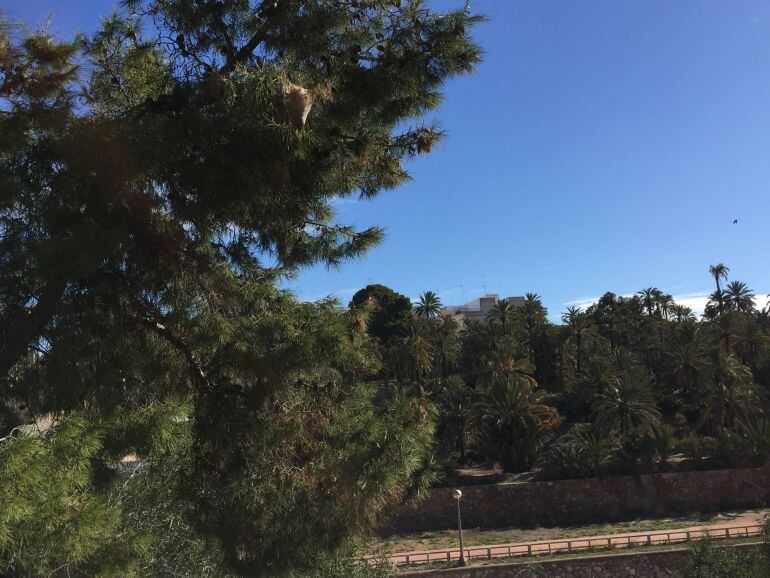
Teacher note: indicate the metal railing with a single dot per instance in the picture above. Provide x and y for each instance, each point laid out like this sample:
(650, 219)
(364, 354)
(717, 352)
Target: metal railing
(571, 545)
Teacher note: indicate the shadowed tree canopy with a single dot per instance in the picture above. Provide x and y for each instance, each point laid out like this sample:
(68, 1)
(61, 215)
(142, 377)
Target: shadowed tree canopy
(390, 312)
(157, 179)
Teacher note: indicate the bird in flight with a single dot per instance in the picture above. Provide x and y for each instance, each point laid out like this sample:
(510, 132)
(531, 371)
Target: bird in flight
(735, 221)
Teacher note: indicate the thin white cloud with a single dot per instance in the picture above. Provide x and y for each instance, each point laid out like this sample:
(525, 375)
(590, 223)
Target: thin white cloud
(696, 301)
(581, 302)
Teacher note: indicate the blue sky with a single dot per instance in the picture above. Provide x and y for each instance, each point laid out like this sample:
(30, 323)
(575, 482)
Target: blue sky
(600, 146)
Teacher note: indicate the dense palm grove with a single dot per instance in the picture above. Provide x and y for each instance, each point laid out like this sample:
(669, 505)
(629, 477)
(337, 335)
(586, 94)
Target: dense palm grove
(623, 386)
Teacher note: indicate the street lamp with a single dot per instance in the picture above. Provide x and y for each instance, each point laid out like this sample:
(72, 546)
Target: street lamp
(457, 494)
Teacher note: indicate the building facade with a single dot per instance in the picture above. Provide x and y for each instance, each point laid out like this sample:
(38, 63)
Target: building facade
(479, 309)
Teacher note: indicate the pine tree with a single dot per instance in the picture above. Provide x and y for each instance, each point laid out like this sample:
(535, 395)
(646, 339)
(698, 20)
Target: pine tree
(158, 179)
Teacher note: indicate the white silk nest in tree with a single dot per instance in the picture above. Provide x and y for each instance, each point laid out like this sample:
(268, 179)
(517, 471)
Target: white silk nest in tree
(298, 102)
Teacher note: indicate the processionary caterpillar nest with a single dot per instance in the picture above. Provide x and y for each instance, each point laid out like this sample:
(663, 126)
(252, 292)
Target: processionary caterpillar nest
(298, 101)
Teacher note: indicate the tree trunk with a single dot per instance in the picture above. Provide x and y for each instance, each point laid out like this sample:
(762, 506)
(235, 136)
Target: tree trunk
(719, 296)
(577, 352)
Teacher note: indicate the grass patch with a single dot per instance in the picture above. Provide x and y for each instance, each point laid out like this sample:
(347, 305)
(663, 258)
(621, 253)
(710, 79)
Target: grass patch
(445, 539)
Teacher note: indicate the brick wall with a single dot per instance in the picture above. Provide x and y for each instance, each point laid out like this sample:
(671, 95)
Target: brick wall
(565, 502)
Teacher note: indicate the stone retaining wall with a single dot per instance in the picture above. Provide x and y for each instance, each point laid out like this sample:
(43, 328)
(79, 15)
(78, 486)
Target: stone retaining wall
(564, 502)
(659, 564)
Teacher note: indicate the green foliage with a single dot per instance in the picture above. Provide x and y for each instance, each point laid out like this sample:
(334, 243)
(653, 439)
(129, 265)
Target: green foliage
(159, 180)
(636, 454)
(410, 358)
(746, 446)
(151, 495)
(51, 514)
(641, 371)
(391, 312)
(579, 454)
(428, 306)
(708, 560)
(697, 449)
(733, 398)
(346, 564)
(514, 421)
(314, 468)
(663, 440)
(626, 406)
(455, 407)
(446, 345)
(584, 453)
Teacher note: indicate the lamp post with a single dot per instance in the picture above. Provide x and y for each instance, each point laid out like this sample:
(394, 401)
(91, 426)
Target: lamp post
(457, 494)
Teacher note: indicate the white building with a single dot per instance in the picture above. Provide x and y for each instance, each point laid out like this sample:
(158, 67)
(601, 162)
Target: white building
(478, 309)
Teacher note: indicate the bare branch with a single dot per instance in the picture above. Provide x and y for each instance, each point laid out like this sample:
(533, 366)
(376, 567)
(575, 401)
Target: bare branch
(245, 51)
(195, 367)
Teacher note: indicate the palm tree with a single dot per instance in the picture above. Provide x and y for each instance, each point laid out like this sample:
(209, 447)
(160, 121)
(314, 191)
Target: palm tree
(446, 345)
(455, 404)
(650, 297)
(689, 361)
(533, 320)
(751, 342)
(418, 356)
(513, 421)
(429, 305)
(725, 326)
(474, 344)
(662, 438)
(739, 297)
(733, 399)
(713, 307)
(665, 304)
(578, 454)
(622, 359)
(502, 312)
(719, 271)
(626, 406)
(503, 363)
(448, 325)
(533, 298)
(682, 313)
(411, 358)
(598, 375)
(579, 326)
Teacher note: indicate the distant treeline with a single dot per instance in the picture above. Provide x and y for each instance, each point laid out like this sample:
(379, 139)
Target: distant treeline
(619, 387)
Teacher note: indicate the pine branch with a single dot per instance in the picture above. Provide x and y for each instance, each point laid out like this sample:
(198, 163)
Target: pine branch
(335, 229)
(195, 367)
(245, 51)
(23, 326)
(226, 37)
